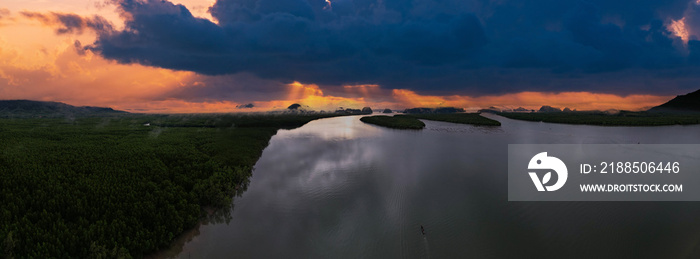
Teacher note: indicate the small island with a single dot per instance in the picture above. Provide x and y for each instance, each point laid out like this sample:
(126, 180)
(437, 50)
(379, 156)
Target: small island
(411, 118)
(450, 114)
(461, 118)
(394, 122)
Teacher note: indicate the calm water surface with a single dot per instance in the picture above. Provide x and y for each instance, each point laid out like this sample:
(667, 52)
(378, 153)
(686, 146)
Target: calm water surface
(339, 188)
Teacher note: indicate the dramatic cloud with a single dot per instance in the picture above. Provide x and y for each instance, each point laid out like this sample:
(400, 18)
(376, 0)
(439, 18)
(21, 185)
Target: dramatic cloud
(436, 47)
(295, 40)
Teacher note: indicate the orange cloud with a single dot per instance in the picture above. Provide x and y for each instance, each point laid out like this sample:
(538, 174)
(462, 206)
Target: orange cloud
(49, 68)
(679, 29)
(64, 75)
(182, 106)
(312, 96)
(58, 73)
(37, 64)
(298, 91)
(533, 100)
(199, 8)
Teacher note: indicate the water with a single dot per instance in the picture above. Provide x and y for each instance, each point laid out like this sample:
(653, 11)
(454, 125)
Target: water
(339, 188)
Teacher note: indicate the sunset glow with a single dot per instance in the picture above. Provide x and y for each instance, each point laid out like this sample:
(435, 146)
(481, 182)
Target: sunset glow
(679, 29)
(533, 100)
(349, 128)
(42, 57)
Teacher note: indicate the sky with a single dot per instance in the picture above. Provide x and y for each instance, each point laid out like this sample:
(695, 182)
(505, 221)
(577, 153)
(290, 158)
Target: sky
(185, 56)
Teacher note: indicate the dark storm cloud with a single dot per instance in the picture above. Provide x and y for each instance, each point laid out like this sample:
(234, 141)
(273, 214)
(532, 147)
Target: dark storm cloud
(294, 40)
(438, 45)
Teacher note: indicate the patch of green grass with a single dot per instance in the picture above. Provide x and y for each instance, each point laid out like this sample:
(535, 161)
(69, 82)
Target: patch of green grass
(462, 118)
(624, 118)
(394, 122)
(95, 187)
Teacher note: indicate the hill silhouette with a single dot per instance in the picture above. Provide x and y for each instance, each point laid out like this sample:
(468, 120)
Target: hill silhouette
(682, 103)
(28, 108)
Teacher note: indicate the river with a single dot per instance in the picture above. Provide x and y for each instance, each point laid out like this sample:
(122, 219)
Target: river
(339, 188)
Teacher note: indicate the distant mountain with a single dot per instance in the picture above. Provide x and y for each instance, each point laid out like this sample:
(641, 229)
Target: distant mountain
(27, 108)
(682, 103)
(548, 108)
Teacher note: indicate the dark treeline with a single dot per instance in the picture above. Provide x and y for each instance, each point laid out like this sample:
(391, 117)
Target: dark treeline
(411, 121)
(282, 120)
(622, 118)
(113, 187)
(394, 122)
(461, 118)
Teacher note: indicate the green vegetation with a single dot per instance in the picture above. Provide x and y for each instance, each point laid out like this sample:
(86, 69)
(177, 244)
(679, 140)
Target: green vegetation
(410, 121)
(462, 118)
(282, 121)
(96, 187)
(395, 122)
(683, 103)
(39, 109)
(623, 118)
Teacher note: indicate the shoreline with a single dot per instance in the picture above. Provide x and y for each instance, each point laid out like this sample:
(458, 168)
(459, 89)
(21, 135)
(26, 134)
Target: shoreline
(622, 119)
(194, 171)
